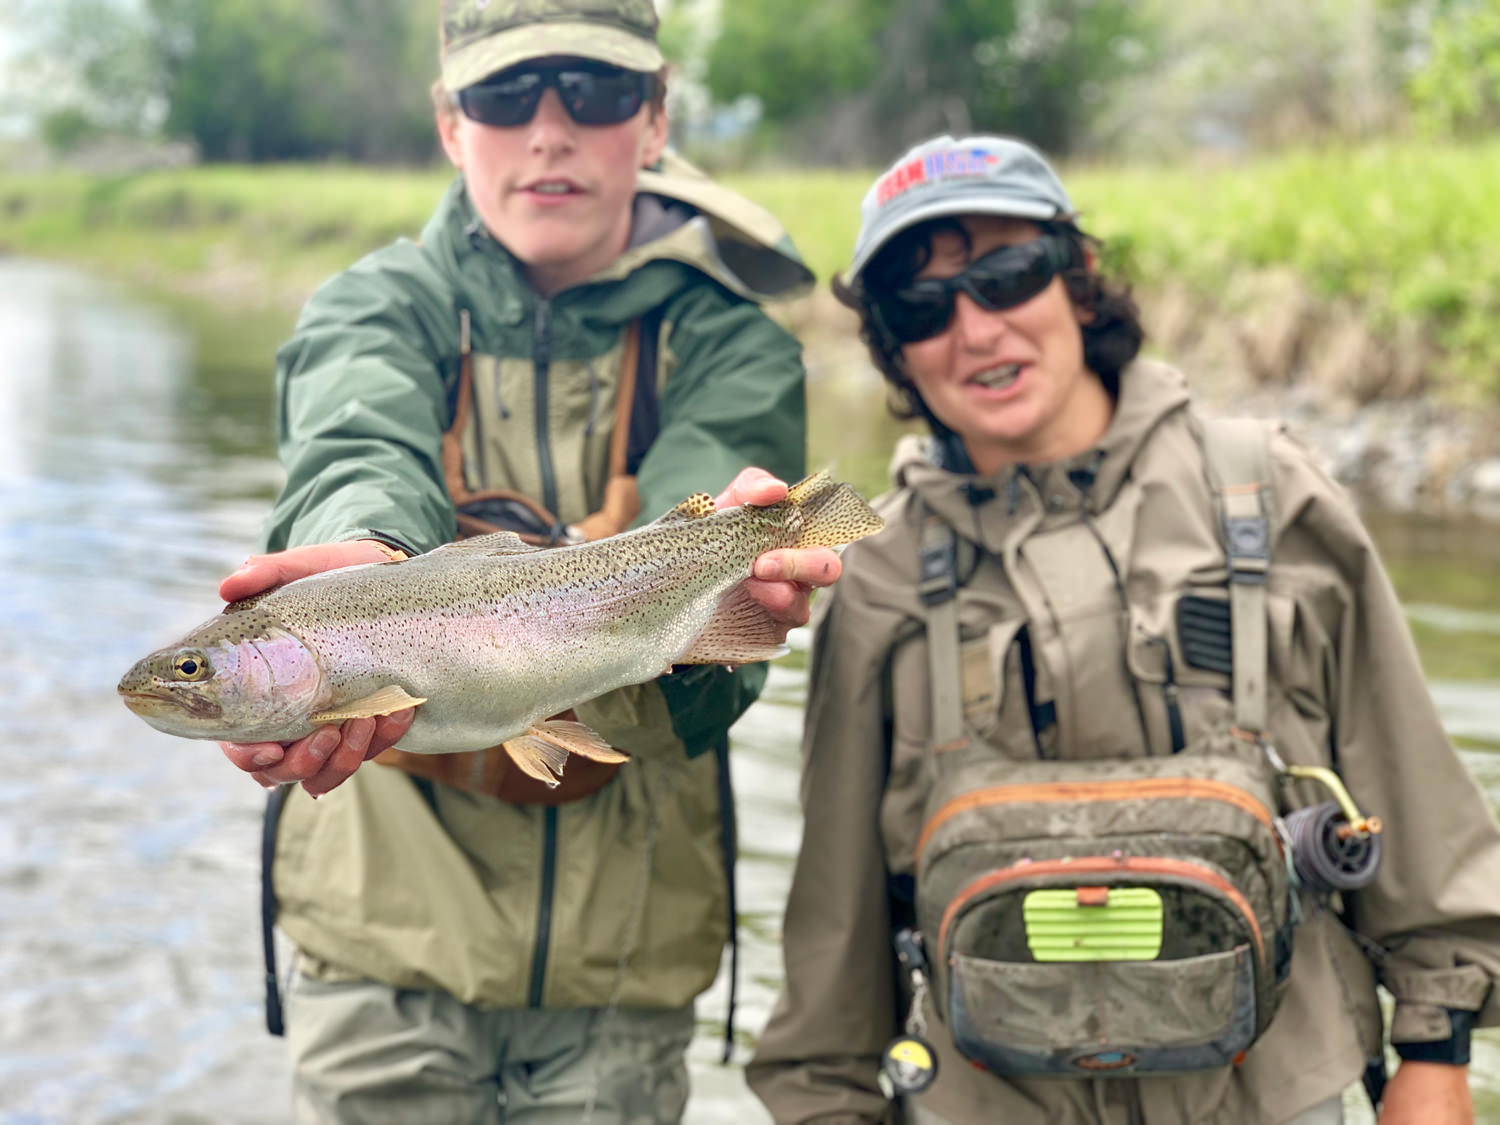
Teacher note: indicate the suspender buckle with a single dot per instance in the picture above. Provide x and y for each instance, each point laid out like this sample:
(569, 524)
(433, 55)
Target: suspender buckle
(1247, 542)
(938, 557)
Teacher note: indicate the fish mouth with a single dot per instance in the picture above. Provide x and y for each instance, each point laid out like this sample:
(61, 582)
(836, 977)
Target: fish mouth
(146, 701)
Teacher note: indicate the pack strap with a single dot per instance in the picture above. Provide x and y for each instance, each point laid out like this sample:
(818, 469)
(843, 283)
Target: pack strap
(636, 424)
(1237, 461)
(938, 589)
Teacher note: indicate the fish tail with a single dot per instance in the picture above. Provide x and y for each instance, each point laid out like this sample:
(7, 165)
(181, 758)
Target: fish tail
(829, 513)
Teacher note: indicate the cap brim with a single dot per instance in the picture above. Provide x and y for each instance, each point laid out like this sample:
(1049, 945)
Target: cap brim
(988, 203)
(478, 60)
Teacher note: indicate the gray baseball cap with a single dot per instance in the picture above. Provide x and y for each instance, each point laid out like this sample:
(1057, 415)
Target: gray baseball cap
(943, 176)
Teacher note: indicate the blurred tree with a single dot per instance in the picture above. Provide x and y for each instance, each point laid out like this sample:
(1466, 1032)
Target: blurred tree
(1457, 90)
(857, 80)
(244, 80)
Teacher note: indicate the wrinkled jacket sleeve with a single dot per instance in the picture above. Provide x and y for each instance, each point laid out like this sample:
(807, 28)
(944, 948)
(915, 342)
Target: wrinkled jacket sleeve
(818, 1059)
(735, 397)
(361, 408)
(1433, 911)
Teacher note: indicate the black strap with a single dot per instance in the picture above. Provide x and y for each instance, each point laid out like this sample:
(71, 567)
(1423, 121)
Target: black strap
(727, 841)
(645, 413)
(275, 802)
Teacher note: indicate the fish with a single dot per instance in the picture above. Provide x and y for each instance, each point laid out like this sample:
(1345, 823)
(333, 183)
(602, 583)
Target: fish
(490, 636)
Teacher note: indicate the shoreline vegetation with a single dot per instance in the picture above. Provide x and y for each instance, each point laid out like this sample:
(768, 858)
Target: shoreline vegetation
(1354, 291)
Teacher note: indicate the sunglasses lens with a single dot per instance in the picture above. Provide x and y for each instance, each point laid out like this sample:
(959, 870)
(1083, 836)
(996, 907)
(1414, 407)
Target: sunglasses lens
(918, 312)
(606, 96)
(1012, 275)
(508, 102)
(602, 98)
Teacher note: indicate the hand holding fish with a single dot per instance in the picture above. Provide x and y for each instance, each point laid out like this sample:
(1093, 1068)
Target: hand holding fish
(784, 578)
(496, 638)
(326, 758)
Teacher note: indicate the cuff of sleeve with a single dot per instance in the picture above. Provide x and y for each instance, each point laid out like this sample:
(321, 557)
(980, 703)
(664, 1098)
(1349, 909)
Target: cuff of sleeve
(387, 540)
(1461, 988)
(1452, 1049)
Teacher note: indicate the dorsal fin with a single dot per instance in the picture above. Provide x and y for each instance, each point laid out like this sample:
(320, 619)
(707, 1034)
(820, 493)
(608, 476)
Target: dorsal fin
(496, 543)
(700, 505)
(248, 603)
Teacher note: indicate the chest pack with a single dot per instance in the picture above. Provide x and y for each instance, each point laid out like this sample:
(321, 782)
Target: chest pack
(1114, 916)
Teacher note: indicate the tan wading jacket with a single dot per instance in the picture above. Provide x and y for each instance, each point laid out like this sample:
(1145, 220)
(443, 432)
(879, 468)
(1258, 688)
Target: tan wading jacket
(1345, 687)
(622, 894)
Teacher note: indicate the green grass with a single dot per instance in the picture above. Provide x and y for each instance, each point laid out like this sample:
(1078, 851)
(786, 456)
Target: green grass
(1404, 231)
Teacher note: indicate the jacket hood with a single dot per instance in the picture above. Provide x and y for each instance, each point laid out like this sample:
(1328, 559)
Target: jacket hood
(680, 216)
(938, 470)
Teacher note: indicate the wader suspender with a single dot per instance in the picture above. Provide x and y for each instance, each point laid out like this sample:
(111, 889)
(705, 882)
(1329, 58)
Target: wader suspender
(938, 589)
(635, 428)
(1238, 465)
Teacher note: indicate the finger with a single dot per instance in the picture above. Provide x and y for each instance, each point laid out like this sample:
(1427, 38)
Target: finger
(786, 602)
(810, 566)
(251, 578)
(253, 756)
(389, 730)
(263, 572)
(752, 486)
(345, 759)
(305, 757)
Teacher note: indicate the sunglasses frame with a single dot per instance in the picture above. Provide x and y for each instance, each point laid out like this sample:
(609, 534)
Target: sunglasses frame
(1055, 254)
(552, 77)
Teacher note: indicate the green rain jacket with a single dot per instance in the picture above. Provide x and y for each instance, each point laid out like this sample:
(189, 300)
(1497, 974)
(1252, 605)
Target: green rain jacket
(1345, 688)
(621, 895)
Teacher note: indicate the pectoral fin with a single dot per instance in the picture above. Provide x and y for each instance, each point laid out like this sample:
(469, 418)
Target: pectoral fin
(383, 702)
(537, 757)
(578, 739)
(741, 631)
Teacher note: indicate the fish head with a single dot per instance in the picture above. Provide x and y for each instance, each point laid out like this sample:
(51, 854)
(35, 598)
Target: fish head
(230, 680)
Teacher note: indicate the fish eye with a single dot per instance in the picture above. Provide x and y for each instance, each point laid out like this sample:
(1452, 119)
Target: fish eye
(189, 666)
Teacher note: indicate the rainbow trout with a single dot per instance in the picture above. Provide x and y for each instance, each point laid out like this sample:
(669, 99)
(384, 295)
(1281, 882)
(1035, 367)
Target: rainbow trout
(489, 635)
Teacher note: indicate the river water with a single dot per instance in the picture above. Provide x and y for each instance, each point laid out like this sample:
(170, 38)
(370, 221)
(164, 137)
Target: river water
(135, 467)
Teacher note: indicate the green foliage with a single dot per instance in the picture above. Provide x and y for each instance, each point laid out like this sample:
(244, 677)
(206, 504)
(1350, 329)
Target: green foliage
(1040, 68)
(1404, 232)
(242, 79)
(1458, 92)
(793, 55)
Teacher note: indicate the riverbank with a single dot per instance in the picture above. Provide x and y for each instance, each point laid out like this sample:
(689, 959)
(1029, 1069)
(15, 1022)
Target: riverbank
(1351, 292)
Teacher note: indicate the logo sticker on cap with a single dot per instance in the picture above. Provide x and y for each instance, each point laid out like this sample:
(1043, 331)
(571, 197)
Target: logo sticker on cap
(946, 164)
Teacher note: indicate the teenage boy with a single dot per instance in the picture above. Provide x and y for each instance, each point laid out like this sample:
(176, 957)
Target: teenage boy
(581, 326)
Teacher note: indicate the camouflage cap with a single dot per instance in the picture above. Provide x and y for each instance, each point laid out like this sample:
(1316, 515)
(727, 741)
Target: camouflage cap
(480, 37)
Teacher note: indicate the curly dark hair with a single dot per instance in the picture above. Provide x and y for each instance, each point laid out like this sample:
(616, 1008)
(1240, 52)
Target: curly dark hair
(1112, 335)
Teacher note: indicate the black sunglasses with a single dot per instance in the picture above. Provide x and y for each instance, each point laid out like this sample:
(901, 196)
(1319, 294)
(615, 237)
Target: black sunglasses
(593, 94)
(1001, 279)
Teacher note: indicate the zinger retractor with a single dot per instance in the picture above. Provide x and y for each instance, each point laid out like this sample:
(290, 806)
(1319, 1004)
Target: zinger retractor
(1334, 847)
(909, 1063)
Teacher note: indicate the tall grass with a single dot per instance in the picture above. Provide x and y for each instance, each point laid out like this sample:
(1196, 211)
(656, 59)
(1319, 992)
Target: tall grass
(1404, 231)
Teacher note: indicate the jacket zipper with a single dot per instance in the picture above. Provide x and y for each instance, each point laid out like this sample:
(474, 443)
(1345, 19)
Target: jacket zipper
(1180, 869)
(542, 355)
(544, 910)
